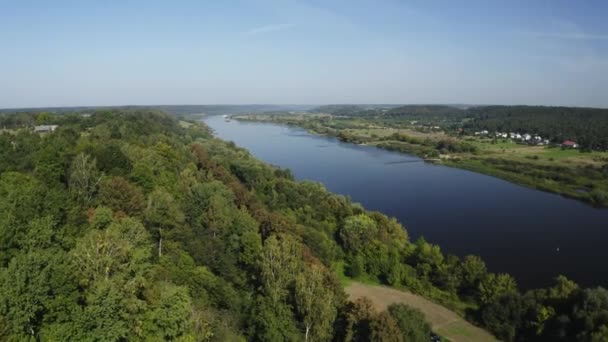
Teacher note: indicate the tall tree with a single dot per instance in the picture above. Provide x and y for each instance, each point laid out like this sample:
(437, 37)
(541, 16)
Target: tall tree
(279, 265)
(496, 286)
(162, 212)
(84, 178)
(315, 303)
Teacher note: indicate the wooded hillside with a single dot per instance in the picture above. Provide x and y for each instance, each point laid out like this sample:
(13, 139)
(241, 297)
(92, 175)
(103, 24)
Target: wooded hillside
(130, 225)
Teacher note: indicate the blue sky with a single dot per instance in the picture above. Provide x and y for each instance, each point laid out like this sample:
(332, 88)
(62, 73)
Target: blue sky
(60, 53)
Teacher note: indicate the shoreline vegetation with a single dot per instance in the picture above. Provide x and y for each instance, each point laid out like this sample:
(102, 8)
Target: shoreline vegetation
(128, 224)
(581, 175)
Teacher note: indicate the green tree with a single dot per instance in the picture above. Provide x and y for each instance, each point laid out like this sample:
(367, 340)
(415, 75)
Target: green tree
(503, 316)
(84, 178)
(411, 323)
(22, 199)
(162, 212)
(121, 250)
(119, 194)
(315, 303)
(496, 286)
(384, 328)
(32, 288)
(43, 118)
(358, 231)
(601, 335)
(563, 288)
(357, 317)
(279, 265)
(473, 272)
(273, 321)
(170, 315)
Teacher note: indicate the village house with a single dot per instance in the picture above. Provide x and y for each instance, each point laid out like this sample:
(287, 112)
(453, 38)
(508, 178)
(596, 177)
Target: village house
(569, 144)
(45, 128)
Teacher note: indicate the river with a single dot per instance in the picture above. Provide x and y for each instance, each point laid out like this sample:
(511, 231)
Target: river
(530, 234)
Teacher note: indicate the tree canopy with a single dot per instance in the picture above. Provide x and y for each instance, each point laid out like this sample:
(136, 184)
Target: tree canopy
(126, 225)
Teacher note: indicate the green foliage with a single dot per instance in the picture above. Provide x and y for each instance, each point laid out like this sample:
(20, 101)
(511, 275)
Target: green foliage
(356, 231)
(125, 225)
(279, 265)
(356, 320)
(32, 288)
(495, 286)
(411, 323)
(84, 178)
(315, 303)
(384, 328)
(120, 195)
(503, 316)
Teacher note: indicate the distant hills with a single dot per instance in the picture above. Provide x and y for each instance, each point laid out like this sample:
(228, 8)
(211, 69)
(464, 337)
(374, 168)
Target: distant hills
(173, 109)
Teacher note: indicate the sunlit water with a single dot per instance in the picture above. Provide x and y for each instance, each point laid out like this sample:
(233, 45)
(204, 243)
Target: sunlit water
(530, 234)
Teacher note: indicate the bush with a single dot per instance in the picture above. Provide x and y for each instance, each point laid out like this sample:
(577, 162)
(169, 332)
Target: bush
(411, 322)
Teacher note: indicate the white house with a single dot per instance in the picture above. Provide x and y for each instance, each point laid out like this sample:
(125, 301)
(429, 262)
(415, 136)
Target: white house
(45, 128)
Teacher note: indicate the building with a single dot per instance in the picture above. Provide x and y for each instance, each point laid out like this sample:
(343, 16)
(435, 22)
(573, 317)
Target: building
(45, 128)
(569, 144)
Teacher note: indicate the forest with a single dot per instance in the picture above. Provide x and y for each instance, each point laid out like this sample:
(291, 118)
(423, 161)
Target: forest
(128, 224)
(587, 126)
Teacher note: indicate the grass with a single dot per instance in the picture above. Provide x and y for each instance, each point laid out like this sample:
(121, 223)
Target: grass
(185, 124)
(339, 270)
(442, 320)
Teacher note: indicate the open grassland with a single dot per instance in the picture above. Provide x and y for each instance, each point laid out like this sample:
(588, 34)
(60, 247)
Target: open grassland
(442, 320)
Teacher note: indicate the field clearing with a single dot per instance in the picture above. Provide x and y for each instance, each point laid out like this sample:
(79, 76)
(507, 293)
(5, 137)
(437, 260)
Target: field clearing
(185, 124)
(442, 320)
(539, 154)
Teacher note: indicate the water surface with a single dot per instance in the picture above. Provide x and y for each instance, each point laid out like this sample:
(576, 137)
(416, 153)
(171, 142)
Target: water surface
(530, 234)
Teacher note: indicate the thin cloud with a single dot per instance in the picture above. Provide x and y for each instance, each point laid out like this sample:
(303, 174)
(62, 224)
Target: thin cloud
(267, 29)
(570, 36)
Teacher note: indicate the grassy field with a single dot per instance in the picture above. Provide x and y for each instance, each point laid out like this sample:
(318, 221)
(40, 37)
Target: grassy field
(443, 321)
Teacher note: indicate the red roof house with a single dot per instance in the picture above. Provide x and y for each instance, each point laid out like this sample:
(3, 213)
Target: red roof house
(570, 144)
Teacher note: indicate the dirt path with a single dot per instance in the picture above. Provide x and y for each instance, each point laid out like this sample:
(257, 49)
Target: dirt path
(443, 321)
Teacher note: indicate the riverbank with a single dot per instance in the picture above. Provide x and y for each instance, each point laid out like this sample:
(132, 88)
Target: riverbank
(570, 173)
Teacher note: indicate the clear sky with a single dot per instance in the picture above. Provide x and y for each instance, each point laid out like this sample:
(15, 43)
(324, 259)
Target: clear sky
(68, 53)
